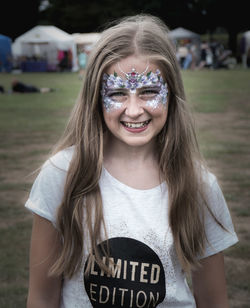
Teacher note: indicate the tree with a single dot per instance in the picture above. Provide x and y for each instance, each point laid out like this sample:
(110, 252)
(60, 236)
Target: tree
(234, 16)
(18, 16)
(231, 15)
(85, 16)
(201, 16)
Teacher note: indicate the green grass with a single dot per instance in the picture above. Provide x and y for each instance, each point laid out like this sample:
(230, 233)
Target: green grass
(30, 124)
(212, 91)
(241, 250)
(27, 121)
(14, 263)
(35, 111)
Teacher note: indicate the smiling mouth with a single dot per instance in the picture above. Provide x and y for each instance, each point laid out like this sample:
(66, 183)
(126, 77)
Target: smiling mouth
(135, 125)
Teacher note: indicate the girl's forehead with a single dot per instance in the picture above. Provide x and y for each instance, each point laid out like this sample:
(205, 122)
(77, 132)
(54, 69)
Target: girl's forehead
(137, 63)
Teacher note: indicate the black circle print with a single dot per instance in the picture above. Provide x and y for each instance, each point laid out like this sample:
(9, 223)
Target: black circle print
(136, 279)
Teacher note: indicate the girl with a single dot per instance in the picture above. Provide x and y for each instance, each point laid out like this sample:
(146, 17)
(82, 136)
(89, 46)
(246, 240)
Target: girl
(126, 207)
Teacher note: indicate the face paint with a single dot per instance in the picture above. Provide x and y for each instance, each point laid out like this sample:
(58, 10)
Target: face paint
(133, 78)
(161, 98)
(133, 81)
(110, 82)
(110, 104)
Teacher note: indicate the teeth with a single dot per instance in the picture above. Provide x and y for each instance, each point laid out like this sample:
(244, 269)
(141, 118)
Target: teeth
(136, 125)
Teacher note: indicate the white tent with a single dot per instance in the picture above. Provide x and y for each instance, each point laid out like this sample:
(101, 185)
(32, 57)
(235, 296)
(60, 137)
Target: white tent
(45, 41)
(86, 38)
(85, 41)
(181, 33)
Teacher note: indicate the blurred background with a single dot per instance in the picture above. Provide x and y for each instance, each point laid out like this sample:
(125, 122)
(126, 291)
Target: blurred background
(50, 35)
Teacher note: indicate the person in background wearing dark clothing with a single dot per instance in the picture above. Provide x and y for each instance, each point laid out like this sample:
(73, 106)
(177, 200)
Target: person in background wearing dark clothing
(66, 62)
(243, 51)
(248, 58)
(21, 87)
(203, 55)
(214, 45)
(1, 89)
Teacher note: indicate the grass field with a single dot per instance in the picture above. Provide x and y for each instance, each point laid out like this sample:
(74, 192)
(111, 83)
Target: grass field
(31, 123)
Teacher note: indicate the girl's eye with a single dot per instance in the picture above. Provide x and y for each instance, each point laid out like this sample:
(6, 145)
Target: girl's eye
(149, 92)
(116, 94)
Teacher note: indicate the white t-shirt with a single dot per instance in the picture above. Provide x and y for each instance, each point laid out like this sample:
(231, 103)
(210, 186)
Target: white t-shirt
(146, 271)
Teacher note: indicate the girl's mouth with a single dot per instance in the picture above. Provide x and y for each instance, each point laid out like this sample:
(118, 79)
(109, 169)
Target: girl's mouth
(135, 125)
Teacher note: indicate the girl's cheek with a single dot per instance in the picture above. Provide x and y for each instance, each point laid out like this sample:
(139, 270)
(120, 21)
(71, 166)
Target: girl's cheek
(158, 102)
(111, 105)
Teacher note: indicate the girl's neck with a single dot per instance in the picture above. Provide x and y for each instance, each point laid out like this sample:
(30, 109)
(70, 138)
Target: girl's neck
(115, 150)
(134, 166)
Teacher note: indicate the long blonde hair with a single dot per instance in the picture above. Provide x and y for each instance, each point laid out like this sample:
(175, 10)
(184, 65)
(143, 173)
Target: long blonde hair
(179, 157)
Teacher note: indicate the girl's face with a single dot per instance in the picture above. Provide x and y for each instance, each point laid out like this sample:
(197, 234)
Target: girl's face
(134, 101)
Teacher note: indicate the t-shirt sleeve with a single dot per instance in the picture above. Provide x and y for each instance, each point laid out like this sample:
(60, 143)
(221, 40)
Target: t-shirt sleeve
(47, 190)
(218, 239)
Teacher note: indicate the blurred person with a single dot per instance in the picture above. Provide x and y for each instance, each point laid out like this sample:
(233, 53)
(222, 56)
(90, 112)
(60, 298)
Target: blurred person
(205, 55)
(2, 89)
(248, 58)
(191, 58)
(125, 207)
(243, 51)
(214, 46)
(65, 62)
(20, 87)
(195, 56)
(82, 62)
(182, 53)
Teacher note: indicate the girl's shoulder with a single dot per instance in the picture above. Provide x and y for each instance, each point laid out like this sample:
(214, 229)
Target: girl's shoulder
(54, 170)
(211, 187)
(208, 178)
(61, 160)
(48, 188)
(212, 192)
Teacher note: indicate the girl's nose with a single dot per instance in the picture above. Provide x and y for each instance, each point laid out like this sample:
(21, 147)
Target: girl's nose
(133, 108)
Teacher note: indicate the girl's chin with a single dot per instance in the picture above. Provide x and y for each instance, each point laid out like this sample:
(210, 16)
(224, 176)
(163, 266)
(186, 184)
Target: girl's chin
(135, 141)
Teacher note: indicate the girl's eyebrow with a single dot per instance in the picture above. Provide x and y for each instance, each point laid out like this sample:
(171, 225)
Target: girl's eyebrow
(111, 89)
(150, 87)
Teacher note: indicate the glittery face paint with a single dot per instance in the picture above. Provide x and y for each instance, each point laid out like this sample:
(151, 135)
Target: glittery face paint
(113, 99)
(160, 98)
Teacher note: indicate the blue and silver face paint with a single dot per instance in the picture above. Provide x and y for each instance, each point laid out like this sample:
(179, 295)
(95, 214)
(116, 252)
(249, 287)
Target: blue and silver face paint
(133, 81)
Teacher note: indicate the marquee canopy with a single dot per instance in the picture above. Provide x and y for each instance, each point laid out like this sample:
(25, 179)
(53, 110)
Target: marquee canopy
(86, 38)
(182, 33)
(45, 41)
